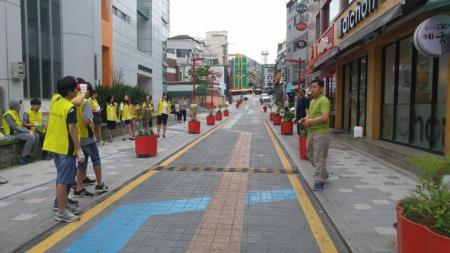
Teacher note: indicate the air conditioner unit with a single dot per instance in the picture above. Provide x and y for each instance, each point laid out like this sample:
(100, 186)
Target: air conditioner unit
(18, 71)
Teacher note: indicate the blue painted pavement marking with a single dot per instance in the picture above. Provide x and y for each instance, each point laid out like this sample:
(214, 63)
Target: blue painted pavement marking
(113, 232)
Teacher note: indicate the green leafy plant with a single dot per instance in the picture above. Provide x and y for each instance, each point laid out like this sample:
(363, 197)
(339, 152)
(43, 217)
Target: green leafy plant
(193, 108)
(211, 113)
(303, 132)
(119, 90)
(430, 205)
(288, 115)
(143, 132)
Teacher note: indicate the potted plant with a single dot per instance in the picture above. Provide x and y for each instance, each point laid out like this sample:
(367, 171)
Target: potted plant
(226, 112)
(423, 219)
(287, 127)
(265, 108)
(276, 119)
(302, 144)
(272, 113)
(193, 124)
(219, 113)
(210, 119)
(146, 143)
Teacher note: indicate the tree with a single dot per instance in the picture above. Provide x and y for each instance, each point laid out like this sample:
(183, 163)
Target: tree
(201, 73)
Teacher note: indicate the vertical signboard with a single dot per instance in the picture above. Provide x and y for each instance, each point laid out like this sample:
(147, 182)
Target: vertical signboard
(236, 73)
(244, 64)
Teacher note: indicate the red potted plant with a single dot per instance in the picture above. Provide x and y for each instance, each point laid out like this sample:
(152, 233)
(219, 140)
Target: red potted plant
(210, 119)
(423, 219)
(193, 124)
(287, 127)
(219, 114)
(146, 144)
(302, 144)
(226, 112)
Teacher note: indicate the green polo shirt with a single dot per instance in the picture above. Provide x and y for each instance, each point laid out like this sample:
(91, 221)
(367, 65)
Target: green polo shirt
(316, 108)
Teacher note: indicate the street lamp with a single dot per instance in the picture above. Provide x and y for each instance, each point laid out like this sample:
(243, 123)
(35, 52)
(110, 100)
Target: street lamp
(195, 57)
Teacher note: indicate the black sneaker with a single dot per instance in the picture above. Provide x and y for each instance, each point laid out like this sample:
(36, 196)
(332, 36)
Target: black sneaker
(82, 194)
(101, 188)
(29, 159)
(88, 181)
(73, 202)
(22, 160)
(131, 138)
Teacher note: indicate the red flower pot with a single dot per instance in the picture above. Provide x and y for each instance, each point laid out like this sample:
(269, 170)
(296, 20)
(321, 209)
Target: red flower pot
(194, 127)
(302, 146)
(218, 116)
(416, 238)
(226, 113)
(146, 146)
(287, 128)
(276, 120)
(210, 120)
(265, 108)
(271, 116)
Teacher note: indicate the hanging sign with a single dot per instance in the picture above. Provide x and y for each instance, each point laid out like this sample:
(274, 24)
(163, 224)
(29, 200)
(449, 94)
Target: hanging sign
(361, 10)
(301, 8)
(432, 36)
(300, 44)
(301, 26)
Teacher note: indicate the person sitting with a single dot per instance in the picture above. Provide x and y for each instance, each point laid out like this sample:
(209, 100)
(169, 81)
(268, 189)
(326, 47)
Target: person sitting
(13, 126)
(33, 120)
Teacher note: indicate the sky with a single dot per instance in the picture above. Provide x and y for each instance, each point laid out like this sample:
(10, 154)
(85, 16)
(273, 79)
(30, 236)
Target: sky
(253, 25)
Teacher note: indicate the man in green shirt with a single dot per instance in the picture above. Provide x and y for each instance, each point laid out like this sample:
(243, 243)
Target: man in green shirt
(316, 122)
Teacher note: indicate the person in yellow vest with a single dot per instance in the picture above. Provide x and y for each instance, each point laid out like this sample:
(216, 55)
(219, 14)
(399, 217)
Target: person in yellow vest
(96, 110)
(62, 142)
(147, 113)
(33, 120)
(85, 119)
(111, 116)
(164, 109)
(125, 117)
(12, 125)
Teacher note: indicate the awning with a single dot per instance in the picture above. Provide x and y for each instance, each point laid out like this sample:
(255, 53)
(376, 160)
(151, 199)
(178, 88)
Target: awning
(437, 5)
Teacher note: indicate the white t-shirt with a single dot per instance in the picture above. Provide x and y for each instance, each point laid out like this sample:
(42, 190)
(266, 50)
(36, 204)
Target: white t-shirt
(165, 107)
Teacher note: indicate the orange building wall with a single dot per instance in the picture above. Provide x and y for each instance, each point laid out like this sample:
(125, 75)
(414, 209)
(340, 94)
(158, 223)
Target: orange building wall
(107, 63)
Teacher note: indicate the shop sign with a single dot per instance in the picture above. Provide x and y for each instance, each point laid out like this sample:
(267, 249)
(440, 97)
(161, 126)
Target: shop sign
(301, 8)
(301, 44)
(301, 26)
(360, 12)
(432, 36)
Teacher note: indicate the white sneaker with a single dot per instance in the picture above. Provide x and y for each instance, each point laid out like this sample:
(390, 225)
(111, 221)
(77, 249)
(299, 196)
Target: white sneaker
(67, 216)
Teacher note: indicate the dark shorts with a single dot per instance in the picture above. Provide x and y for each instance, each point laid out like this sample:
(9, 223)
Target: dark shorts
(111, 124)
(147, 122)
(97, 119)
(90, 150)
(127, 122)
(162, 119)
(66, 168)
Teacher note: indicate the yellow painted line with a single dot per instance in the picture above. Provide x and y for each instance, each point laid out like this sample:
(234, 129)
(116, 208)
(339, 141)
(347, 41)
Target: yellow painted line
(284, 161)
(182, 151)
(59, 235)
(322, 237)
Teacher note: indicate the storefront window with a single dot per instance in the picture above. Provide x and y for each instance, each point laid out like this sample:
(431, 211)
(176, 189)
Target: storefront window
(362, 92)
(439, 141)
(346, 110)
(354, 94)
(330, 91)
(404, 91)
(388, 96)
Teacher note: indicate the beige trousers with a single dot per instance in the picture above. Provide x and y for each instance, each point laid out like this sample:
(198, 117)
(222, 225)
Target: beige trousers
(318, 145)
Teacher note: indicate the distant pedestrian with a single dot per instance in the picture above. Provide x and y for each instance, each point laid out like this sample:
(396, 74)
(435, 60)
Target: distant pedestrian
(12, 125)
(164, 109)
(111, 116)
(33, 120)
(96, 110)
(182, 106)
(301, 109)
(126, 117)
(62, 141)
(147, 113)
(286, 103)
(317, 123)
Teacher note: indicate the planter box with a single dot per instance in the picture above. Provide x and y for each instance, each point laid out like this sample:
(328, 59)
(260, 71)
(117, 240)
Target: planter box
(210, 120)
(226, 113)
(302, 147)
(194, 127)
(276, 120)
(416, 238)
(218, 116)
(271, 116)
(146, 146)
(287, 127)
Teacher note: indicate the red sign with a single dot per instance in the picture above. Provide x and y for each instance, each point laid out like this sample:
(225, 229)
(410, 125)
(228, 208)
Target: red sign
(301, 26)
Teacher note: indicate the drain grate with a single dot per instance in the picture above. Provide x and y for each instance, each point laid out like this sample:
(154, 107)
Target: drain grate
(221, 169)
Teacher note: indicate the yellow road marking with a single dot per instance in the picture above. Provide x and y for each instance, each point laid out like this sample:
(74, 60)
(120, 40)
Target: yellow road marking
(182, 151)
(323, 239)
(59, 235)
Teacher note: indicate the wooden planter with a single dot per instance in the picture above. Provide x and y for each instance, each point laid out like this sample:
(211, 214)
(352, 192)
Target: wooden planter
(210, 120)
(276, 120)
(302, 147)
(194, 127)
(226, 113)
(287, 128)
(218, 116)
(146, 145)
(416, 238)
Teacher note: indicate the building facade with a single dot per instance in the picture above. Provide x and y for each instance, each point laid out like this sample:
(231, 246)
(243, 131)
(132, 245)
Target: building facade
(217, 42)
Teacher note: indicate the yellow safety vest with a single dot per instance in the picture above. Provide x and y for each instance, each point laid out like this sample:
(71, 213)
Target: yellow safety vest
(133, 111)
(57, 137)
(111, 112)
(35, 118)
(84, 131)
(15, 115)
(146, 106)
(160, 107)
(126, 111)
(94, 104)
